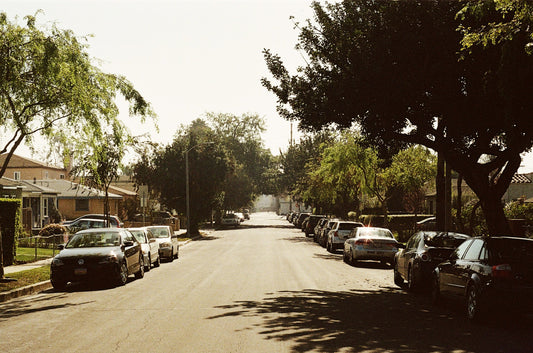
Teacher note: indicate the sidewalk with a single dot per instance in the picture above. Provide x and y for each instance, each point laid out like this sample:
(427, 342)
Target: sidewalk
(28, 266)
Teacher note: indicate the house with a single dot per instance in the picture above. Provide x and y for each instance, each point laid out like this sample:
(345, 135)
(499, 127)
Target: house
(76, 200)
(23, 168)
(39, 203)
(521, 187)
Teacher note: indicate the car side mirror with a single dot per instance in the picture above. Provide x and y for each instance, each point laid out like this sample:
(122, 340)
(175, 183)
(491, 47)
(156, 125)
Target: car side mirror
(174, 236)
(128, 243)
(61, 246)
(152, 240)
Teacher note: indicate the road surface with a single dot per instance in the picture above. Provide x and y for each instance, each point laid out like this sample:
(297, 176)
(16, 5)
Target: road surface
(262, 288)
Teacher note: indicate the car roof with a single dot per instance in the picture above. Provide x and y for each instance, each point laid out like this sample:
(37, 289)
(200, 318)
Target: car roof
(100, 230)
(435, 233)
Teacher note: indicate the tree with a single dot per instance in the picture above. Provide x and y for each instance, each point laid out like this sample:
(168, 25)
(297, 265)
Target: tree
(49, 86)
(375, 63)
(252, 173)
(98, 169)
(162, 168)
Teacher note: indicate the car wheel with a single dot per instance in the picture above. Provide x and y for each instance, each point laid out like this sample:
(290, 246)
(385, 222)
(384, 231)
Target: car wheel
(140, 273)
(353, 260)
(147, 266)
(59, 285)
(122, 277)
(435, 291)
(171, 258)
(177, 253)
(411, 280)
(157, 261)
(472, 303)
(328, 247)
(344, 257)
(398, 280)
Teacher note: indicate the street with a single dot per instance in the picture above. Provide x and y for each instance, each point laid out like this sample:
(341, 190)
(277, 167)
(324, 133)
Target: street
(264, 287)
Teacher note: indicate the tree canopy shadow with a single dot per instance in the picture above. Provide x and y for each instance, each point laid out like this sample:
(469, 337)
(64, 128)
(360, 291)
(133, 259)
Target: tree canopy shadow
(387, 320)
(27, 305)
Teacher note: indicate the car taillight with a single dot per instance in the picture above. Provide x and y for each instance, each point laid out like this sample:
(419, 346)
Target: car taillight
(503, 271)
(362, 241)
(336, 234)
(425, 257)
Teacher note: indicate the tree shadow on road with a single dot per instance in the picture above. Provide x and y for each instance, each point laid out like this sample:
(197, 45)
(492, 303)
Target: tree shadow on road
(387, 320)
(29, 305)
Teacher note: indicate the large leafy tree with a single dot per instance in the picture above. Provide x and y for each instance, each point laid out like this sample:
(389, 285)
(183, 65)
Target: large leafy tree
(397, 69)
(49, 87)
(162, 168)
(253, 165)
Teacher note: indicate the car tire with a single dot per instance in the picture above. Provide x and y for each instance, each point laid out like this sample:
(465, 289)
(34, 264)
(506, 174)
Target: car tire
(412, 285)
(140, 274)
(147, 267)
(171, 258)
(177, 253)
(157, 262)
(328, 247)
(122, 276)
(58, 285)
(353, 259)
(398, 280)
(473, 312)
(344, 257)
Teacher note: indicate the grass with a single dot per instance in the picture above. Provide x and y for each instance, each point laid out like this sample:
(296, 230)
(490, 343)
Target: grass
(25, 278)
(25, 255)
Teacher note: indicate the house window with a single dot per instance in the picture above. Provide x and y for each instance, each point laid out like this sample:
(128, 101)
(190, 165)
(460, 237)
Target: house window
(82, 204)
(45, 207)
(16, 175)
(62, 176)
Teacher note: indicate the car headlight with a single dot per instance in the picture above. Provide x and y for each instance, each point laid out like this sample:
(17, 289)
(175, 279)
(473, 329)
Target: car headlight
(112, 258)
(57, 262)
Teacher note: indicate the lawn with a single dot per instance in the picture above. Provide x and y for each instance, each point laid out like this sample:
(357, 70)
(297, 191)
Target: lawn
(25, 255)
(25, 278)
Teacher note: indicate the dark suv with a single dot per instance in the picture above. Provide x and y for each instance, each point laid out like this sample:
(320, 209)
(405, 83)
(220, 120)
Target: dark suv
(488, 274)
(312, 221)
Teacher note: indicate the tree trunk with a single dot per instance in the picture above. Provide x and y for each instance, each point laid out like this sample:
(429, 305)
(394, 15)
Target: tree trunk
(1, 257)
(441, 191)
(493, 210)
(459, 205)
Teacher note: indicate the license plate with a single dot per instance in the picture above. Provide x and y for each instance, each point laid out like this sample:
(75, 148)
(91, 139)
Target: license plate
(80, 271)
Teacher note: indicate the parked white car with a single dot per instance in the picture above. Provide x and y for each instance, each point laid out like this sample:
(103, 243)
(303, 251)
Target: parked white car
(230, 219)
(370, 243)
(338, 234)
(149, 246)
(168, 242)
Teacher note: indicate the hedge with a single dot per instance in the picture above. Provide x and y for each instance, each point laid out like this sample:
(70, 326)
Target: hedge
(11, 227)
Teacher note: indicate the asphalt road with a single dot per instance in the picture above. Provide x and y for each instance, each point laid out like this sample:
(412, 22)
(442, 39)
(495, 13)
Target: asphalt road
(261, 288)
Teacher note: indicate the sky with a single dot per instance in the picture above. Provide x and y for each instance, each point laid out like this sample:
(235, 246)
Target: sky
(188, 58)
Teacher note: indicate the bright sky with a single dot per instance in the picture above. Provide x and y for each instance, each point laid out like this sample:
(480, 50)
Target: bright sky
(188, 57)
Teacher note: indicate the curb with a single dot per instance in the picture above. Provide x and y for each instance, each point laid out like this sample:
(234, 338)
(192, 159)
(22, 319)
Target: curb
(31, 289)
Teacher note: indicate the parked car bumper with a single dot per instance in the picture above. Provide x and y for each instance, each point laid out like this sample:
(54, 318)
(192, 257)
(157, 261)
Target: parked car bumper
(88, 272)
(361, 253)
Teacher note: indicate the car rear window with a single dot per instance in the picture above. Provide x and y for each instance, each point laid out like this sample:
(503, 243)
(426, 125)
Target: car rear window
(444, 241)
(348, 226)
(511, 250)
(370, 232)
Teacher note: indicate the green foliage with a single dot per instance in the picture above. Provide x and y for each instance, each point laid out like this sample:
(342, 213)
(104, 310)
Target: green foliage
(520, 210)
(375, 64)
(50, 87)
(26, 278)
(52, 229)
(11, 228)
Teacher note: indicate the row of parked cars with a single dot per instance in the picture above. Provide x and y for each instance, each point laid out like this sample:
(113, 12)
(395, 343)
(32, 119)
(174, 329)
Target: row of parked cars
(486, 275)
(112, 254)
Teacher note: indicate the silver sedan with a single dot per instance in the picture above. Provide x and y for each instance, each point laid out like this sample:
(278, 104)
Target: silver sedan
(370, 243)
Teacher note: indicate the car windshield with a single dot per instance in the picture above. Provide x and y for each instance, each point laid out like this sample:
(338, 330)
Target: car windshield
(92, 240)
(139, 236)
(444, 240)
(160, 232)
(347, 226)
(370, 232)
(511, 250)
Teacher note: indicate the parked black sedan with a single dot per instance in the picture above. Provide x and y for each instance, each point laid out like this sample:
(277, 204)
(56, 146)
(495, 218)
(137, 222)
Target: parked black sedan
(103, 253)
(493, 273)
(422, 253)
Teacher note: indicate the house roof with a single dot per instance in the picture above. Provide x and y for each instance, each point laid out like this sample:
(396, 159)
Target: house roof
(17, 161)
(521, 179)
(27, 187)
(122, 191)
(69, 189)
